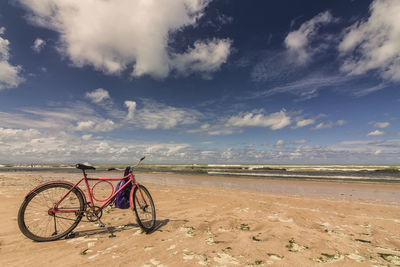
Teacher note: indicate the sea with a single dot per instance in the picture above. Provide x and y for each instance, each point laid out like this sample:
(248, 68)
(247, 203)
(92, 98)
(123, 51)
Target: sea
(345, 173)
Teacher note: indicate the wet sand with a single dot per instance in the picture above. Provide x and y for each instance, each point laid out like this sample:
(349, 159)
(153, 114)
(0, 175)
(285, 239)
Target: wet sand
(220, 221)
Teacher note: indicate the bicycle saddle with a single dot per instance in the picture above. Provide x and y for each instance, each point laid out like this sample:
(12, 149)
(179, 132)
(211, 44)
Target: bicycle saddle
(84, 167)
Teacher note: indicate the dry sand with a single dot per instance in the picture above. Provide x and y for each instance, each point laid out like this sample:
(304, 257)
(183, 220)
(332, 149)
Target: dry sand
(209, 221)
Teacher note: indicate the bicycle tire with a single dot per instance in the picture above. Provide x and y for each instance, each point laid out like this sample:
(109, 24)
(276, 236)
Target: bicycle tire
(35, 220)
(144, 208)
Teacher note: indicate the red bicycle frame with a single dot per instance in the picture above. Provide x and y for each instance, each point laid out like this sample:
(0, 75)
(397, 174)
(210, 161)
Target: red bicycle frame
(106, 201)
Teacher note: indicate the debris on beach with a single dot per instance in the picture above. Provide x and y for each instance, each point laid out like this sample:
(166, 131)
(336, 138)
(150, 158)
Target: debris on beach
(274, 256)
(156, 263)
(212, 241)
(294, 247)
(395, 250)
(362, 240)
(147, 248)
(138, 232)
(390, 258)
(355, 257)
(256, 263)
(127, 226)
(223, 230)
(328, 258)
(201, 259)
(189, 230)
(244, 227)
(337, 233)
(224, 258)
(108, 209)
(84, 252)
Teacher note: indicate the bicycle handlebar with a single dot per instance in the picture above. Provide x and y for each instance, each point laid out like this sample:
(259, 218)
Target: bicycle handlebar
(140, 161)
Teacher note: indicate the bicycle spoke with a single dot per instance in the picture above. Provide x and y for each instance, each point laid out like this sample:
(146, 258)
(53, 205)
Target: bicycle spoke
(144, 208)
(55, 225)
(37, 219)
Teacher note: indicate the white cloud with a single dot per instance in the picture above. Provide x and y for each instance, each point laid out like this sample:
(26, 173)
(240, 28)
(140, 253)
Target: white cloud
(31, 145)
(376, 133)
(38, 45)
(68, 118)
(204, 57)
(323, 125)
(373, 44)
(301, 141)
(98, 95)
(100, 126)
(381, 125)
(303, 123)
(87, 137)
(305, 88)
(9, 134)
(85, 125)
(9, 74)
(330, 124)
(369, 90)
(275, 121)
(165, 149)
(234, 124)
(131, 105)
(218, 128)
(298, 41)
(156, 115)
(340, 122)
(113, 36)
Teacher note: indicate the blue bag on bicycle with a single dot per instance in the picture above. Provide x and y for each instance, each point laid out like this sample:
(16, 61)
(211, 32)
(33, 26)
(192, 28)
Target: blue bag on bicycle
(122, 198)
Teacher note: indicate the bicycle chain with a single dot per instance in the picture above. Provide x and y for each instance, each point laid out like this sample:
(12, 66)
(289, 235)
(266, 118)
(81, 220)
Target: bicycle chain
(93, 214)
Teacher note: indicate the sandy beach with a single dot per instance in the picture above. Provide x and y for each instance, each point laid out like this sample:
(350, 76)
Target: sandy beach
(220, 221)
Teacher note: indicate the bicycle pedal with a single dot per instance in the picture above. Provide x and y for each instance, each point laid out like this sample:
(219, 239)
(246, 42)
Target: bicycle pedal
(102, 225)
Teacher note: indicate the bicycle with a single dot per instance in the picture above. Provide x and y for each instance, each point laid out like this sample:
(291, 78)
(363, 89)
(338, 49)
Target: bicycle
(53, 209)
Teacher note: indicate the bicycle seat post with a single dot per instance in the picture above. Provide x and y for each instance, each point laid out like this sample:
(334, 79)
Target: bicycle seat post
(84, 174)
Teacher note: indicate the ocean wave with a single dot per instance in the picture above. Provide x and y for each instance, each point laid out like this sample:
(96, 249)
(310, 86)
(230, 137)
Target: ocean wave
(304, 176)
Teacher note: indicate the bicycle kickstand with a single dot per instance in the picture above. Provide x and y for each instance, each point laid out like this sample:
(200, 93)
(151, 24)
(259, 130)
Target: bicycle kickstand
(101, 224)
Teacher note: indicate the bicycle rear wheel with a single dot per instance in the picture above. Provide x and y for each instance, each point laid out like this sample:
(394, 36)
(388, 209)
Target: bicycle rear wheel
(144, 208)
(37, 222)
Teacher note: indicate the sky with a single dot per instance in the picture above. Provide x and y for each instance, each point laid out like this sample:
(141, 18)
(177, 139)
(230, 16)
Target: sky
(200, 81)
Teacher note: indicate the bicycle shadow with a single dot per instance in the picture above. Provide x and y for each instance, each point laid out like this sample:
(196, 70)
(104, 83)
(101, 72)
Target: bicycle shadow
(159, 224)
(112, 229)
(103, 231)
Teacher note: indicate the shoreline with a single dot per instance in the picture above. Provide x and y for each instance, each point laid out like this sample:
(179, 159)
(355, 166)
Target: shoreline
(339, 190)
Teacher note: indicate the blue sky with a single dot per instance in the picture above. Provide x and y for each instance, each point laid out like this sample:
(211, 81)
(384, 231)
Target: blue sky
(200, 81)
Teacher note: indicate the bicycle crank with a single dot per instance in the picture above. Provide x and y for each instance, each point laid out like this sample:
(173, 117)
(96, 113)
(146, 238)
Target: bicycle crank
(93, 214)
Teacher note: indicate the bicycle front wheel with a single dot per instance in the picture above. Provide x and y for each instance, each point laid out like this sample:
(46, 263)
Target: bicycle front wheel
(36, 219)
(144, 208)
